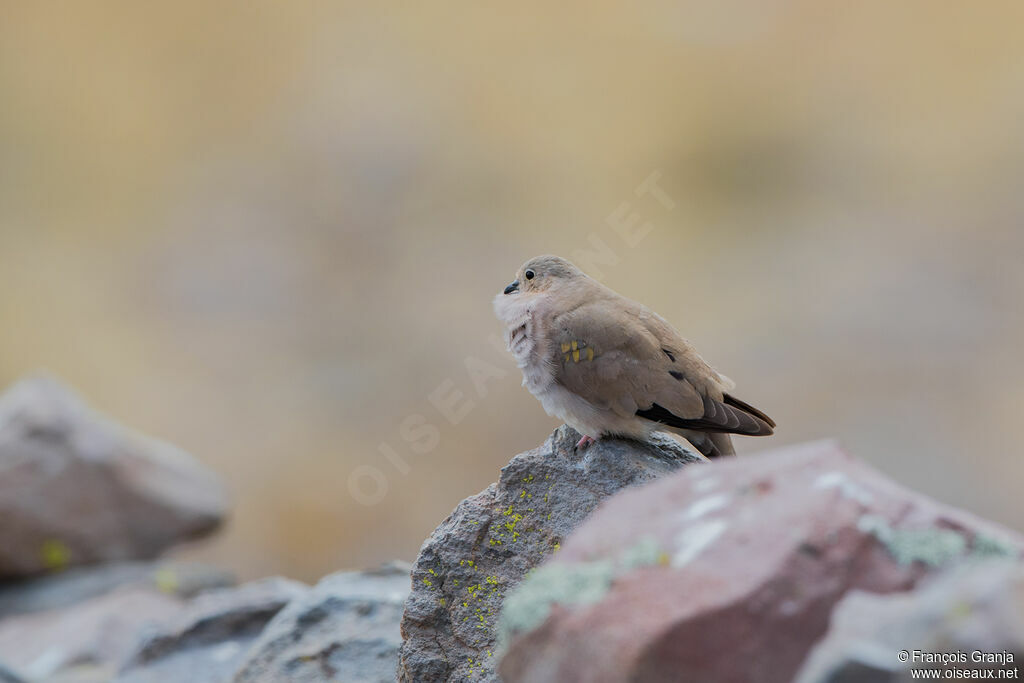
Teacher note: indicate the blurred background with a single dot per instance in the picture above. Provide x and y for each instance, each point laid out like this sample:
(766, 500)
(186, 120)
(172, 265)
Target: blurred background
(269, 232)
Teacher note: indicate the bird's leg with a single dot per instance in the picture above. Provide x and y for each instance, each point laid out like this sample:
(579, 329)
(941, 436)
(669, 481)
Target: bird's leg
(585, 441)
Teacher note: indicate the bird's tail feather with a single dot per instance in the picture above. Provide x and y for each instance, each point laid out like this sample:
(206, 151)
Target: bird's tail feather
(747, 408)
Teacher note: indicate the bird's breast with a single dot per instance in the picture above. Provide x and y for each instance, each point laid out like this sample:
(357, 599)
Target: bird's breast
(525, 337)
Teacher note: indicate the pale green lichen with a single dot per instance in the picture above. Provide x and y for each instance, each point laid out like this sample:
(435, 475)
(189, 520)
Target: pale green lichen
(528, 606)
(932, 546)
(645, 553)
(577, 584)
(991, 546)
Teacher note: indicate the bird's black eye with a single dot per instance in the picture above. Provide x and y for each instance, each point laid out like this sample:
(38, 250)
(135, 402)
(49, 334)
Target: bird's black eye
(529, 274)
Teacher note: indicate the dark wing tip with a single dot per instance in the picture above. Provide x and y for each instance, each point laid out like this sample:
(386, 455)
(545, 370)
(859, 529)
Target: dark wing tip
(747, 408)
(718, 417)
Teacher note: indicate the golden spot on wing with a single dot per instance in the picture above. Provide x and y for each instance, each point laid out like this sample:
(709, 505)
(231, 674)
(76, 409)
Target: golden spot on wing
(577, 350)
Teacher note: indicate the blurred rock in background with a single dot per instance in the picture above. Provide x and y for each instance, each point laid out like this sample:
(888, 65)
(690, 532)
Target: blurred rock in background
(977, 608)
(77, 489)
(67, 587)
(345, 628)
(85, 507)
(207, 640)
(84, 641)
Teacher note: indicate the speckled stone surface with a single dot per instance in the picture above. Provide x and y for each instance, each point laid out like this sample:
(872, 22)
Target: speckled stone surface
(344, 629)
(492, 539)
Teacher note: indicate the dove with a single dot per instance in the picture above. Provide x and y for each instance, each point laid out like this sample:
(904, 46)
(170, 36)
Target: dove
(609, 366)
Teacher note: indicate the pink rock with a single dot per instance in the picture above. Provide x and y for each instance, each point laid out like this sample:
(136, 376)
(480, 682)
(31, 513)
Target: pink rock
(730, 571)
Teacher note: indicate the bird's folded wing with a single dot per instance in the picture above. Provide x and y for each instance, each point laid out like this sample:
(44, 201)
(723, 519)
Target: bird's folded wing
(627, 359)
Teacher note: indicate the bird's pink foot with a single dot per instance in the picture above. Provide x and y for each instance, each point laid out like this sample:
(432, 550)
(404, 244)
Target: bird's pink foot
(584, 442)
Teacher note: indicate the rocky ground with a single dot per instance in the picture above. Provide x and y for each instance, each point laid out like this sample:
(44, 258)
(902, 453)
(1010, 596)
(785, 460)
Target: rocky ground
(624, 562)
(87, 508)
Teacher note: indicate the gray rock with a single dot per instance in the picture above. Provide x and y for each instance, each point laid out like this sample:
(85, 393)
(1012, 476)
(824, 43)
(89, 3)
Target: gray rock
(205, 642)
(344, 629)
(494, 538)
(146, 631)
(8, 676)
(79, 673)
(66, 588)
(77, 489)
(86, 641)
(977, 607)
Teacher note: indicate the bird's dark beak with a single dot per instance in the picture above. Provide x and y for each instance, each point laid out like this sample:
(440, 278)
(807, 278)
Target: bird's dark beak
(514, 287)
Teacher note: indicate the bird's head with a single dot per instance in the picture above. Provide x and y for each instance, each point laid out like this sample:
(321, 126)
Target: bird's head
(542, 273)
